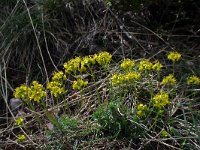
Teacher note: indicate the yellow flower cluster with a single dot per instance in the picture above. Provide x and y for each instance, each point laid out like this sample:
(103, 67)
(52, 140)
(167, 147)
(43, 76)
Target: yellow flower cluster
(160, 100)
(59, 76)
(79, 84)
(141, 109)
(56, 88)
(22, 92)
(170, 80)
(157, 66)
(164, 134)
(127, 64)
(19, 121)
(81, 64)
(37, 92)
(103, 58)
(174, 56)
(72, 65)
(117, 78)
(193, 80)
(21, 138)
(145, 64)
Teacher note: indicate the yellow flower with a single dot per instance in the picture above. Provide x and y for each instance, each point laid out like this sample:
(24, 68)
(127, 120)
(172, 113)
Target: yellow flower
(145, 64)
(157, 66)
(174, 56)
(132, 76)
(164, 134)
(103, 58)
(193, 80)
(22, 92)
(37, 92)
(160, 100)
(56, 88)
(19, 121)
(72, 65)
(79, 84)
(170, 80)
(127, 64)
(21, 138)
(117, 79)
(58, 76)
(141, 109)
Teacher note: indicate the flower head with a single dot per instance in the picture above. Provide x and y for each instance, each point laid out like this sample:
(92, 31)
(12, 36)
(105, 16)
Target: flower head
(103, 58)
(37, 92)
(19, 121)
(79, 84)
(141, 109)
(157, 66)
(160, 100)
(58, 76)
(73, 65)
(56, 88)
(127, 64)
(22, 92)
(174, 56)
(117, 79)
(132, 76)
(145, 64)
(170, 80)
(21, 138)
(193, 80)
(164, 134)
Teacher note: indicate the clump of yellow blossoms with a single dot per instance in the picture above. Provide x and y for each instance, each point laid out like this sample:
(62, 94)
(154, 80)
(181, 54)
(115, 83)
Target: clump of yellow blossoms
(103, 58)
(160, 100)
(193, 80)
(174, 56)
(37, 92)
(170, 80)
(87, 61)
(127, 64)
(145, 64)
(19, 121)
(22, 92)
(157, 66)
(141, 109)
(72, 65)
(59, 76)
(79, 84)
(56, 88)
(21, 138)
(132, 76)
(117, 78)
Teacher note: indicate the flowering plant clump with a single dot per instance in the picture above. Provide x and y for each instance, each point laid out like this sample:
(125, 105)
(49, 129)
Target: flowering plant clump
(157, 66)
(145, 64)
(103, 58)
(56, 88)
(193, 80)
(58, 76)
(170, 80)
(160, 100)
(127, 64)
(37, 92)
(79, 84)
(19, 121)
(132, 76)
(22, 92)
(72, 65)
(87, 61)
(174, 56)
(141, 109)
(117, 79)
(21, 138)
